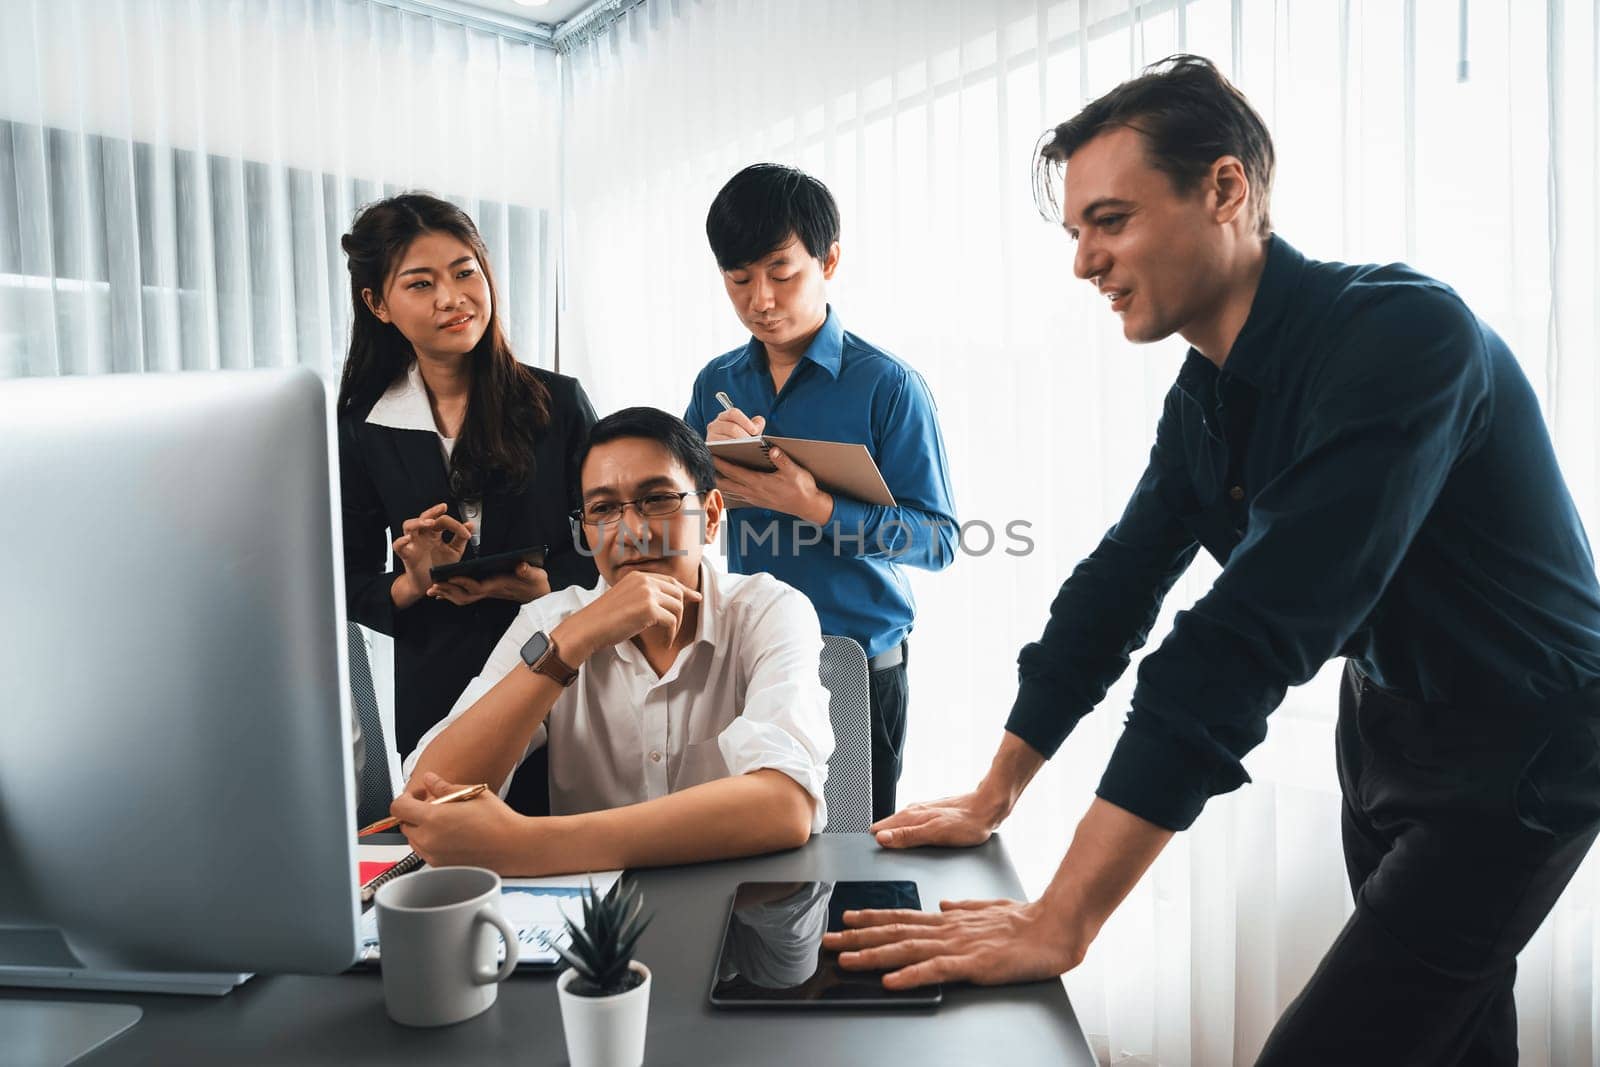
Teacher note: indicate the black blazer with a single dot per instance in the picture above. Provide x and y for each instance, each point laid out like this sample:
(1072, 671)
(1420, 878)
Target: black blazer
(387, 476)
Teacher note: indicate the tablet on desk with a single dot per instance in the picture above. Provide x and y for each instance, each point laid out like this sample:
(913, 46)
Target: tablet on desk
(489, 566)
(772, 955)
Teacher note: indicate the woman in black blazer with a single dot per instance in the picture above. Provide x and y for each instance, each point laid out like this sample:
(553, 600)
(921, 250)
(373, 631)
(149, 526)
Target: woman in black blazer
(451, 446)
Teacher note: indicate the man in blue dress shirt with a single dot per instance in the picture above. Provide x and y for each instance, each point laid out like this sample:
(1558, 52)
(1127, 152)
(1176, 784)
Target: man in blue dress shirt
(775, 234)
(1368, 463)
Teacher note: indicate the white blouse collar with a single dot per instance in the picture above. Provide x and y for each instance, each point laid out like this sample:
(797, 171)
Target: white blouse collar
(404, 405)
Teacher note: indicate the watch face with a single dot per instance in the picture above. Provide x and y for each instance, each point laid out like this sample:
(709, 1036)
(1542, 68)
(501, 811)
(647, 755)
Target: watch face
(535, 647)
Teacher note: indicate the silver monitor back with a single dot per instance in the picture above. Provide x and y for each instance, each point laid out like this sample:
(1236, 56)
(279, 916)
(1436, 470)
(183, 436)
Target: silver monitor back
(175, 785)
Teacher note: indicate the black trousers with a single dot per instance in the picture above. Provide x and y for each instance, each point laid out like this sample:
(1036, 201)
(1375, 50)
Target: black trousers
(891, 692)
(1461, 827)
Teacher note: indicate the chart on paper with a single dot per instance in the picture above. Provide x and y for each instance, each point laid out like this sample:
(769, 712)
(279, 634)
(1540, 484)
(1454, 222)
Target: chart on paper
(536, 907)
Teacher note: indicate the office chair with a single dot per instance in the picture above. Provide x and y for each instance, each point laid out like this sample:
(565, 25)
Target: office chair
(374, 791)
(848, 790)
(849, 787)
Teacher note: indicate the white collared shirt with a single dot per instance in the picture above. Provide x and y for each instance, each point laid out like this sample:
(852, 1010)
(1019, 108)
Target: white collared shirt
(404, 406)
(744, 696)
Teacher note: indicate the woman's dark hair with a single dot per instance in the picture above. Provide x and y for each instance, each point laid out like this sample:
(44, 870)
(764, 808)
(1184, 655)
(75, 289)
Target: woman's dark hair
(761, 206)
(508, 407)
(1190, 116)
(667, 430)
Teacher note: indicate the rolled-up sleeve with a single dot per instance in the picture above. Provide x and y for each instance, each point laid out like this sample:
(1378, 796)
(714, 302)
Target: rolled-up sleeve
(784, 724)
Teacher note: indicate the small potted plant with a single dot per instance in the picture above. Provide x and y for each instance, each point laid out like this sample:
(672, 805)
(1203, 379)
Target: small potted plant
(604, 992)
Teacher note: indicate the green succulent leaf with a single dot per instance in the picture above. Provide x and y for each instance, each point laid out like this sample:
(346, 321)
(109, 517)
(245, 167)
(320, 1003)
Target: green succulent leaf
(626, 949)
(573, 961)
(581, 945)
(600, 948)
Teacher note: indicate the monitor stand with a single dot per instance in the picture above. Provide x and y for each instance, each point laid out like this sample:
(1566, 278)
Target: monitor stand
(39, 957)
(54, 1033)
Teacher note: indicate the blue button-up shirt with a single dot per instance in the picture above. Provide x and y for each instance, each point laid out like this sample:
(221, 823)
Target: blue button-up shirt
(843, 389)
(1372, 470)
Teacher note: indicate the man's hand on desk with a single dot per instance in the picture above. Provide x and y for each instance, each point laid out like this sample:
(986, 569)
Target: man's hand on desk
(481, 832)
(953, 822)
(986, 942)
(789, 489)
(989, 942)
(968, 819)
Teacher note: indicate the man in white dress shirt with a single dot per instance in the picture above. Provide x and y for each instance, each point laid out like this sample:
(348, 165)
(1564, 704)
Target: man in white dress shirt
(681, 705)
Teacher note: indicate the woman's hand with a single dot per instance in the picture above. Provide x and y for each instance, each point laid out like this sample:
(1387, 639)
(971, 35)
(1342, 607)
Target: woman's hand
(525, 583)
(421, 547)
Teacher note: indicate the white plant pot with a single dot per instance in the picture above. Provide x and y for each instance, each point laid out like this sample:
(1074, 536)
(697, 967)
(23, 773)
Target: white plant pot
(605, 1031)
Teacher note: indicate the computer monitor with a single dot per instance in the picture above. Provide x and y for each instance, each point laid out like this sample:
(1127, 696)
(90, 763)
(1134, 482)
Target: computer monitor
(176, 795)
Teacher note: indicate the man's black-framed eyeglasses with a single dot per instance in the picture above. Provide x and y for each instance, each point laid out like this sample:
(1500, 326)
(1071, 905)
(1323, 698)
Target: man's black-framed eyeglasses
(651, 506)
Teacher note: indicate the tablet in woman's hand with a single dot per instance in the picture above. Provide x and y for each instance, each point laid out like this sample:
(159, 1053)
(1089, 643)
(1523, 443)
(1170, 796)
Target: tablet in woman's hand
(489, 566)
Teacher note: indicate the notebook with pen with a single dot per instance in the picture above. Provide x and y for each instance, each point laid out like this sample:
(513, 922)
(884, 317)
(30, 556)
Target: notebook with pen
(537, 907)
(838, 467)
(381, 864)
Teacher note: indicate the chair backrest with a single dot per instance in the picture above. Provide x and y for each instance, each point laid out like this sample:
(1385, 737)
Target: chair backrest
(849, 787)
(374, 792)
(843, 672)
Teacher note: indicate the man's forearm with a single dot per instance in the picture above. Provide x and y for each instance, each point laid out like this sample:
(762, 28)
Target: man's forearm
(487, 741)
(745, 815)
(1110, 851)
(1013, 767)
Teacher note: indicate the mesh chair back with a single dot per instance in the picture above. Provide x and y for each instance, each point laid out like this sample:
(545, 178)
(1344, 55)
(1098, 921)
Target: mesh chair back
(374, 792)
(849, 787)
(843, 672)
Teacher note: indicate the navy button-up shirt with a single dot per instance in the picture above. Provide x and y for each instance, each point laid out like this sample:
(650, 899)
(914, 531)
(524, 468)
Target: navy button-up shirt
(843, 389)
(1371, 469)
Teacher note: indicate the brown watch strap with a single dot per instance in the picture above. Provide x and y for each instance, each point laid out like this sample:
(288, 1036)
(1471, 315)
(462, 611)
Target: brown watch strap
(552, 666)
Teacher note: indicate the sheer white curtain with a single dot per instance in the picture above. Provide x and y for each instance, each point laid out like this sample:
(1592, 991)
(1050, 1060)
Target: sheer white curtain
(921, 115)
(175, 174)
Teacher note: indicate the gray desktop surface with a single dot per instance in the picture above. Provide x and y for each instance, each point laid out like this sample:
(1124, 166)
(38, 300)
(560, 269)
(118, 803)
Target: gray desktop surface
(340, 1019)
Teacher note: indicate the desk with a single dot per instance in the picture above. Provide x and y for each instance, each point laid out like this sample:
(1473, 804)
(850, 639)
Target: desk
(340, 1019)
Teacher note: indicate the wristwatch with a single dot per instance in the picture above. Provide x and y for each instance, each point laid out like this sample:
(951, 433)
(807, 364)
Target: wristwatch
(542, 657)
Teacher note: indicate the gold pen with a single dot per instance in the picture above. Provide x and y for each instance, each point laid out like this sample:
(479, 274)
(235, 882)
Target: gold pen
(464, 793)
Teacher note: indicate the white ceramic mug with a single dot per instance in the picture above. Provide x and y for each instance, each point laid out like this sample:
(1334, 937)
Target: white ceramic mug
(436, 932)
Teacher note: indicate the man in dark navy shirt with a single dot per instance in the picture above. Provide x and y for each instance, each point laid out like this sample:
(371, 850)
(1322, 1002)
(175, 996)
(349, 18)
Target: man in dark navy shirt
(1369, 465)
(775, 233)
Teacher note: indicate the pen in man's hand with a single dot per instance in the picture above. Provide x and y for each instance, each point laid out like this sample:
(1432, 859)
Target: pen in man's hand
(725, 400)
(464, 793)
